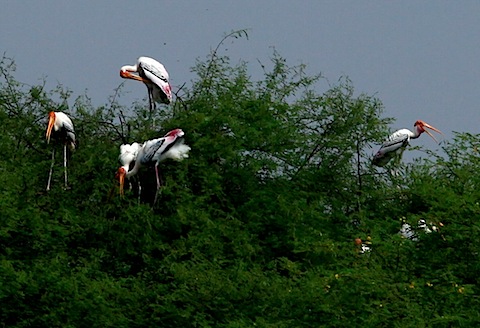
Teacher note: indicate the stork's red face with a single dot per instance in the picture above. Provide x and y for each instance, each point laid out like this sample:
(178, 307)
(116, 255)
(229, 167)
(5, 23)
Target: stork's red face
(51, 123)
(120, 176)
(421, 125)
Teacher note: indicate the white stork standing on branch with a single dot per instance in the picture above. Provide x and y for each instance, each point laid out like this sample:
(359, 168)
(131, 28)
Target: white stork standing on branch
(398, 141)
(155, 151)
(155, 77)
(60, 126)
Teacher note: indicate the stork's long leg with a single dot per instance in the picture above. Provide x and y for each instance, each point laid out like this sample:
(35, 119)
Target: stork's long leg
(65, 163)
(51, 169)
(139, 191)
(156, 173)
(152, 106)
(158, 183)
(151, 102)
(156, 196)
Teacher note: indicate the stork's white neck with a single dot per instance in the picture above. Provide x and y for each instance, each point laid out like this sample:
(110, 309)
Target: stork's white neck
(132, 171)
(125, 167)
(417, 131)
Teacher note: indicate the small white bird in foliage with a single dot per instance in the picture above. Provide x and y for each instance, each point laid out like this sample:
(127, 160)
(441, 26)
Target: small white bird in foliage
(127, 158)
(398, 141)
(363, 247)
(154, 152)
(60, 127)
(409, 232)
(155, 77)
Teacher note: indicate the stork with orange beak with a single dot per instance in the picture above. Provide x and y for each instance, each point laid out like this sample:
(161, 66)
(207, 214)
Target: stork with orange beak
(60, 127)
(154, 152)
(399, 140)
(155, 77)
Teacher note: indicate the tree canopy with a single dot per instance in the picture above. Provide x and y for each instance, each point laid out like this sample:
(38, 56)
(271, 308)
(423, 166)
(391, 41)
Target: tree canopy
(256, 227)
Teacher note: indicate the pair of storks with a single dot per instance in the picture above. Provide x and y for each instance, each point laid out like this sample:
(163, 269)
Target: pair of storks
(134, 156)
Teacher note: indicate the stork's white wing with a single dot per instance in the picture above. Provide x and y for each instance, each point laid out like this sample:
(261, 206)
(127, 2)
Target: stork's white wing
(154, 71)
(151, 147)
(394, 143)
(178, 151)
(67, 125)
(390, 149)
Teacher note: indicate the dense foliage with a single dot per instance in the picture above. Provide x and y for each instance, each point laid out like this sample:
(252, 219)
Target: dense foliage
(257, 227)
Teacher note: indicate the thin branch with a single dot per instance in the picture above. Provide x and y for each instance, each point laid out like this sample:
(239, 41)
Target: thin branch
(235, 34)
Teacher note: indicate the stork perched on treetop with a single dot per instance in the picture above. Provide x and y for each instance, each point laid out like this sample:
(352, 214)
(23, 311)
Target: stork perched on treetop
(155, 77)
(155, 151)
(60, 126)
(398, 141)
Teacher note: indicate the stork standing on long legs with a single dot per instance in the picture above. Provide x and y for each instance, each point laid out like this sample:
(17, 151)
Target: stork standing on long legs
(155, 151)
(60, 127)
(155, 77)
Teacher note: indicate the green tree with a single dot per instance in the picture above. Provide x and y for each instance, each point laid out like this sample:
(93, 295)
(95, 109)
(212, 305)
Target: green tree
(256, 227)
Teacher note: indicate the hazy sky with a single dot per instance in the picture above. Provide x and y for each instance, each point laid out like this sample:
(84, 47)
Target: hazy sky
(420, 58)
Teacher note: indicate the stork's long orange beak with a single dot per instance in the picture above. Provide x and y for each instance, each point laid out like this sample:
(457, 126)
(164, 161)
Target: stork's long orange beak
(128, 75)
(121, 173)
(51, 122)
(428, 126)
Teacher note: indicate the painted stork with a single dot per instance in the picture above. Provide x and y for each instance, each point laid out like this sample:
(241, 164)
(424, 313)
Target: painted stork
(398, 141)
(155, 77)
(60, 127)
(156, 151)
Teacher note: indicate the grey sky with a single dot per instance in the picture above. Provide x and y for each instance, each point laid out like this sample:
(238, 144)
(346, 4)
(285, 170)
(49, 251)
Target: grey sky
(420, 58)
